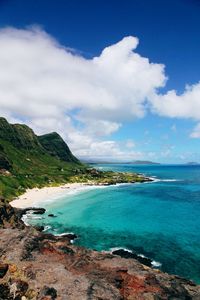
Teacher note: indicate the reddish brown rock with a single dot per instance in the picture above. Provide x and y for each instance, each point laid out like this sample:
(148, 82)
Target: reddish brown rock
(49, 267)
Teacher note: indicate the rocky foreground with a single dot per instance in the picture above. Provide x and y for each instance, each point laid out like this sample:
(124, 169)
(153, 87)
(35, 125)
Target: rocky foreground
(35, 265)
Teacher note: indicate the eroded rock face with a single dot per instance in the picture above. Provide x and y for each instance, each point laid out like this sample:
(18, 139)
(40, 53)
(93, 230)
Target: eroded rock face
(9, 217)
(42, 266)
(55, 269)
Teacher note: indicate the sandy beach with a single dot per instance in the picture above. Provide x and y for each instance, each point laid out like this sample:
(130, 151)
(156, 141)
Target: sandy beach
(34, 197)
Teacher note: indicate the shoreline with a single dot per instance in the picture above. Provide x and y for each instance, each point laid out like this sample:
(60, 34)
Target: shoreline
(34, 197)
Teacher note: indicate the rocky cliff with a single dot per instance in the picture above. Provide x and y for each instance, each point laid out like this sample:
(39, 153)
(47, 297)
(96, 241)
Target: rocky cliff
(10, 217)
(39, 266)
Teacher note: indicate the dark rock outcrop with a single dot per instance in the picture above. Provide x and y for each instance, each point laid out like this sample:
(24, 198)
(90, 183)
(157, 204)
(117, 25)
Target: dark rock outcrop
(39, 228)
(38, 211)
(3, 269)
(9, 217)
(70, 236)
(34, 210)
(127, 254)
(50, 292)
(51, 215)
(15, 289)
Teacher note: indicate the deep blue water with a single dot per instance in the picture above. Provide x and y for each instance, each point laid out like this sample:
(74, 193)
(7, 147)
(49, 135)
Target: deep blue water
(160, 220)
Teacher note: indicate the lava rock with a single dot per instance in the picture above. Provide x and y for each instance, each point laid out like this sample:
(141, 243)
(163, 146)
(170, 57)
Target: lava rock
(34, 210)
(50, 292)
(52, 215)
(71, 236)
(5, 292)
(39, 228)
(127, 254)
(39, 211)
(3, 270)
(9, 217)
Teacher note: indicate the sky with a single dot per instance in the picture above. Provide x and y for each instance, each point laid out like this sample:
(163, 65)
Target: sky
(119, 80)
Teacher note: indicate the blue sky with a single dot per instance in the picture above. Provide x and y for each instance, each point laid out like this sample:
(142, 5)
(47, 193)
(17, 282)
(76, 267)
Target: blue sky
(168, 33)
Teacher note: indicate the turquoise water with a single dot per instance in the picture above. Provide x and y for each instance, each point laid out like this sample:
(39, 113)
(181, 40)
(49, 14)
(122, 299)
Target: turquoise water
(160, 220)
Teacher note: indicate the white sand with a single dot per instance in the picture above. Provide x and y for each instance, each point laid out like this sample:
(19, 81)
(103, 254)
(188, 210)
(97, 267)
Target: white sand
(35, 197)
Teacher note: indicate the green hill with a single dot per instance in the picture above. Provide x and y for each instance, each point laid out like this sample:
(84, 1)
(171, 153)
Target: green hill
(28, 160)
(55, 146)
(19, 135)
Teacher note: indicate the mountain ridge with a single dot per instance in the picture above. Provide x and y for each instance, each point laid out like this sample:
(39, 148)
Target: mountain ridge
(28, 160)
(55, 146)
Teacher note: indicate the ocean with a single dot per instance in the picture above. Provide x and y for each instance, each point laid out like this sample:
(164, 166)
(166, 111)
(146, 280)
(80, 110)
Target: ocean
(160, 220)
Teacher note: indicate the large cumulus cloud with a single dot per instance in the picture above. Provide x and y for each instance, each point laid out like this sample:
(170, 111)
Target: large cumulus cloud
(50, 87)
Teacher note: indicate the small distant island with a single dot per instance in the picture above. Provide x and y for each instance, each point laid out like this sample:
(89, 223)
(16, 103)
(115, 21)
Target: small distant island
(192, 163)
(144, 162)
(136, 162)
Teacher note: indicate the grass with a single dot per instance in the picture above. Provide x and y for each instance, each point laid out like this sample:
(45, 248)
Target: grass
(34, 169)
(37, 168)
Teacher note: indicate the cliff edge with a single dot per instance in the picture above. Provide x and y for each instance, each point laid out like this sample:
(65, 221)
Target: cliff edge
(39, 266)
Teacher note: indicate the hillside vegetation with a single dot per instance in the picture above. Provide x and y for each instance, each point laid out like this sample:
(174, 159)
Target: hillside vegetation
(28, 160)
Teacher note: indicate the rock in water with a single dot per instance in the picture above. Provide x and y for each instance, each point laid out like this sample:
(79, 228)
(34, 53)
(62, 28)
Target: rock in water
(52, 215)
(128, 254)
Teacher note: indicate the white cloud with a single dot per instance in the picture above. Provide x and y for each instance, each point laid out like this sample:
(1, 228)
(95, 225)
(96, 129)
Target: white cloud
(39, 77)
(111, 150)
(196, 132)
(99, 128)
(186, 105)
(53, 88)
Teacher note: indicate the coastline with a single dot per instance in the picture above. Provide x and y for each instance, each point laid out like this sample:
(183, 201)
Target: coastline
(122, 269)
(40, 265)
(34, 197)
